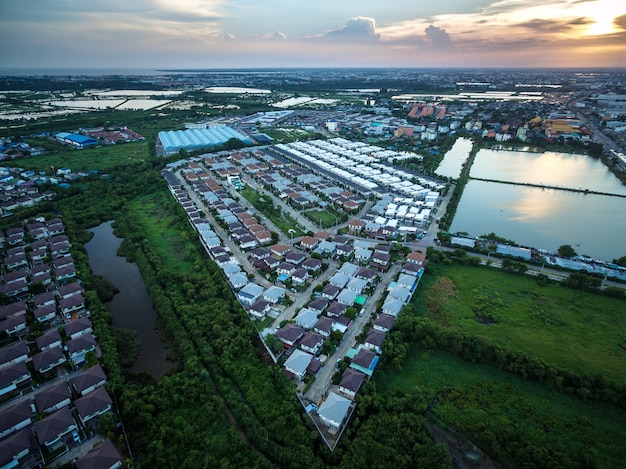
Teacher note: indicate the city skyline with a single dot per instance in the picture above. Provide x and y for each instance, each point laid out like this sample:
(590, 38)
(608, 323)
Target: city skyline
(277, 33)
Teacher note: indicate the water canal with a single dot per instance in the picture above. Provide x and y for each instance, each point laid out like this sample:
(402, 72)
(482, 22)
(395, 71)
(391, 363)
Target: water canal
(132, 307)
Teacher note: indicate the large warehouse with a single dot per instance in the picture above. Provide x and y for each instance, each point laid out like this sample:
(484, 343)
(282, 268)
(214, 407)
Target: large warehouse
(196, 139)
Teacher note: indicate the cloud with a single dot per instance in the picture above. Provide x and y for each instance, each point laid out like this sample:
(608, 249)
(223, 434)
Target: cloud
(555, 26)
(277, 36)
(439, 38)
(229, 36)
(620, 22)
(359, 29)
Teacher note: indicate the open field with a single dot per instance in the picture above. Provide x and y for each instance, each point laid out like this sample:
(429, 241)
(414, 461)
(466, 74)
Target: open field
(566, 328)
(487, 403)
(325, 218)
(153, 213)
(102, 158)
(264, 205)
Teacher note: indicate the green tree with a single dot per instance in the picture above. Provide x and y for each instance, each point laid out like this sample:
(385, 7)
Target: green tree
(566, 251)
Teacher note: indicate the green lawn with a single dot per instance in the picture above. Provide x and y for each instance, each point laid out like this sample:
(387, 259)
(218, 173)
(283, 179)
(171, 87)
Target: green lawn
(325, 218)
(153, 212)
(486, 403)
(563, 327)
(265, 206)
(102, 158)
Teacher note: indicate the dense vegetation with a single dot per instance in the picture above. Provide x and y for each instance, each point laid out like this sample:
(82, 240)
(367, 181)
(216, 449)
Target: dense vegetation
(532, 374)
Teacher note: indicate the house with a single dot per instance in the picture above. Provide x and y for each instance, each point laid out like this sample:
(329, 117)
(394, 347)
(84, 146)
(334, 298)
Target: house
(248, 242)
(345, 250)
(347, 297)
(411, 268)
(13, 325)
(299, 276)
(44, 299)
(309, 243)
(78, 328)
(356, 285)
(406, 281)
(289, 333)
(312, 265)
(367, 274)
(400, 294)
(50, 339)
(238, 280)
(102, 456)
(374, 340)
(88, 380)
(285, 268)
(15, 276)
(324, 326)
(334, 411)
(13, 353)
(13, 309)
(295, 258)
(326, 248)
(231, 269)
(318, 305)
(18, 447)
(392, 307)
(355, 226)
(14, 418)
(65, 273)
(14, 289)
(52, 428)
(250, 293)
(13, 376)
(263, 237)
(274, 294)
(271, 262)
(48, 359)
(380, 259)
(351, 382)
(73, 304)
(306, 318)
(321, 235)
(93, 405)
(69, 290)
(259, 309)
(339, 280)
(45, 313)
(311, 342)
(416, 257)
(279, 250)
(365, 361)
(336, 309)
(348, 269)
(259, 253)
(384, 322)
(297, 363)
(382, 249)
(53, 398)
(78, 347)
(330, 291)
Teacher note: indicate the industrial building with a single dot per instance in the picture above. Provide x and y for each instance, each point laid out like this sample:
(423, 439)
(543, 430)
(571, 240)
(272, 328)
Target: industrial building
(196, 139)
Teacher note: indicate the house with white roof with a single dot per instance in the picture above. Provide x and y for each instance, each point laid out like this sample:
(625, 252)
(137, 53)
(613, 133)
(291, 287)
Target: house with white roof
(334, 411)
(297, 363)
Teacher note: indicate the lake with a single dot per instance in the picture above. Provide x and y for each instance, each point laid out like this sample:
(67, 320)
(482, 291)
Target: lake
(132, 307)
(545, 218)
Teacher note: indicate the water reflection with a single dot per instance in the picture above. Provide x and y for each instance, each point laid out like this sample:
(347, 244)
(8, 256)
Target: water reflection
(132, 307)
(454, 159)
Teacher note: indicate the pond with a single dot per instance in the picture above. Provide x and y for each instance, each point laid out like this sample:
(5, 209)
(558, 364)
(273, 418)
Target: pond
(132, 307)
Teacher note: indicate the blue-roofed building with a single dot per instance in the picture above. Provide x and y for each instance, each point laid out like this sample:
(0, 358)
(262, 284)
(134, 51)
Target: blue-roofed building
(79, 141)
(196, 139)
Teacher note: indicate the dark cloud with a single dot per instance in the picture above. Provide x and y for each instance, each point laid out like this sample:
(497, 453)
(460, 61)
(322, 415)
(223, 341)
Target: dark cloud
(555, 26)
(620, 22)
(358, 29)
(439, 38)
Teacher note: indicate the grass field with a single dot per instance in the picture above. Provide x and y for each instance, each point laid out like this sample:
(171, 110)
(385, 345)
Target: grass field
(325, 218)
(481, 399)
(101, 158)
(563, 327)
(265, 206)
(153, 212)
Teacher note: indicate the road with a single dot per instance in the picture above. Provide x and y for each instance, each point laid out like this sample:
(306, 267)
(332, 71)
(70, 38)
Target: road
(323, 379)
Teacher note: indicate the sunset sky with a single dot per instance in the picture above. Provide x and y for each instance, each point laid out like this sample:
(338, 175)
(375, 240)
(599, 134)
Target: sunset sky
(294, 33)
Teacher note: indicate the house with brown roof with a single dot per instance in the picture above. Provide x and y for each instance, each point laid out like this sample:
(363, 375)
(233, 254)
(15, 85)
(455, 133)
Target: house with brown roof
(102, 456)
(351, 382)
(93, 405)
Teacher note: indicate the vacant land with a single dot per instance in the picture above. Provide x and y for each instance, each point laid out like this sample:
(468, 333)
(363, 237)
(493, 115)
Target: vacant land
(325, 218)
(503, 413)
(566, 328)
(102, 158)
(154, 213)
(273, 213)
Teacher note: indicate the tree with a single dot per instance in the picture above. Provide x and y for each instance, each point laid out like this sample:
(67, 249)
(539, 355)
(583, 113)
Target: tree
(566, 251)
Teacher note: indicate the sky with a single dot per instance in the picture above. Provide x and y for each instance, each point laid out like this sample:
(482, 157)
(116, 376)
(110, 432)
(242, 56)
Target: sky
(136, 34)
